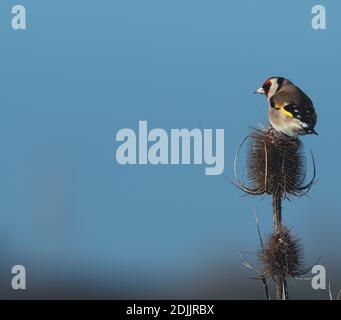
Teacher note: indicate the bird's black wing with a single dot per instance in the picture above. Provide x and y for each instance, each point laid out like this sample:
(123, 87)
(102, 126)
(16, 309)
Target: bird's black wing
(305, 113)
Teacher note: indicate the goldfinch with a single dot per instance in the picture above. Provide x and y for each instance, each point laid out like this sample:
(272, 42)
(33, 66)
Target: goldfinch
(290, 110)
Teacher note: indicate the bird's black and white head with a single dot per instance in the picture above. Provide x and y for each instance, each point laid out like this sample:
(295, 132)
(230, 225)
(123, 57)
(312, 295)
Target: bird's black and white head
(271, 86)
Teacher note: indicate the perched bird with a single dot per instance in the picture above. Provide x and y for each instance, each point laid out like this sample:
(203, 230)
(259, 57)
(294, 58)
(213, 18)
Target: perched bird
(290, 110)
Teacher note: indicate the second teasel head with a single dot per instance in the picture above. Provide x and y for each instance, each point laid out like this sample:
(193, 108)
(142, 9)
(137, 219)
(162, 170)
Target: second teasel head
(282, 256)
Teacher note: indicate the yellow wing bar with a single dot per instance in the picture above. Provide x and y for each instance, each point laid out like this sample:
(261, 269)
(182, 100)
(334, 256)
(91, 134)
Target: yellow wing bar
(285, 112)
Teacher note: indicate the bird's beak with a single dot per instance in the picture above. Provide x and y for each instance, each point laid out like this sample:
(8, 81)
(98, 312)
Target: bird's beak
(260, 91)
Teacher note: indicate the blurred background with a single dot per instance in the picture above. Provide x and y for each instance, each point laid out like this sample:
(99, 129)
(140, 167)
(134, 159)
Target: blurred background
(86, 227)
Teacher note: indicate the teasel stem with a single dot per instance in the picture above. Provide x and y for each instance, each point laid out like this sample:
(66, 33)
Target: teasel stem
(282, 285)
(282, 290)
(277, 212)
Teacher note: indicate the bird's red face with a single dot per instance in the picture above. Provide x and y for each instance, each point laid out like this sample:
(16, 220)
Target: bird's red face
(265, 88)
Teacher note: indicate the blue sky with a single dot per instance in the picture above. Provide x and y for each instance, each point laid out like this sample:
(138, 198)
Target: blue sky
(85, 69)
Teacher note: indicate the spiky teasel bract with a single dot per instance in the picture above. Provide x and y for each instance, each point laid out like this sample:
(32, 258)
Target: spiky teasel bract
(281, 256)
(275, 165)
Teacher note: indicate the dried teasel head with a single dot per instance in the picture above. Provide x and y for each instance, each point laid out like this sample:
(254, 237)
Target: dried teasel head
(275, 164)
(281, 256)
